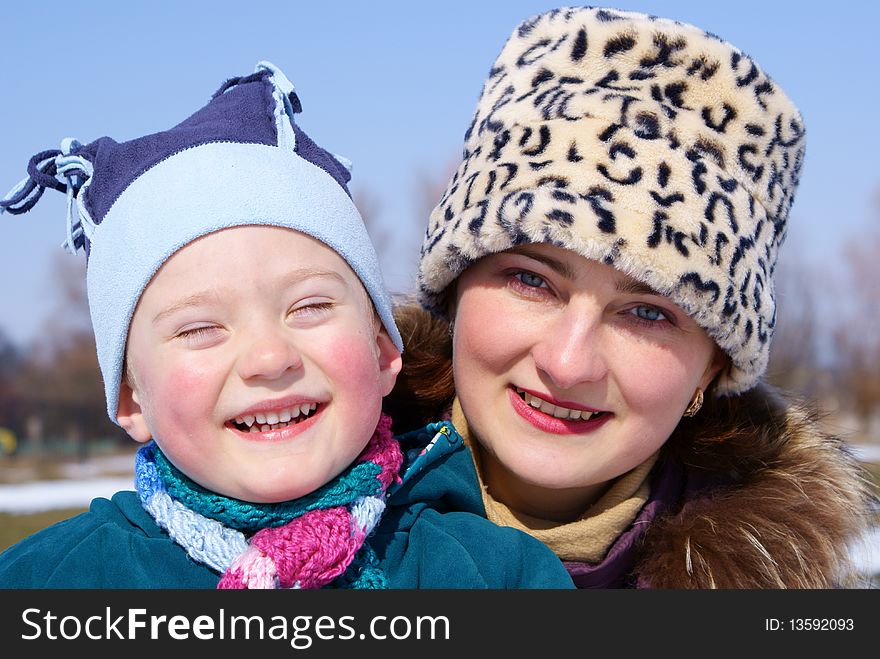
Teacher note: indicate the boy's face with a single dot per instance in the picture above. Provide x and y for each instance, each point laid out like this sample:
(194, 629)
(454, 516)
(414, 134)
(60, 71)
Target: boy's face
(257, 364)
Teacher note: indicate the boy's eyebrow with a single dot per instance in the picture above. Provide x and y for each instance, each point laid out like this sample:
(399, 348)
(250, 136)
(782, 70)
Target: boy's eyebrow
(193, 300)
(208, 296)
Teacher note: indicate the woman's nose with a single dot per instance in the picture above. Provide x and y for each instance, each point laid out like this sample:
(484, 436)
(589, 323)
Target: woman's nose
(570, 351)
(268, 354)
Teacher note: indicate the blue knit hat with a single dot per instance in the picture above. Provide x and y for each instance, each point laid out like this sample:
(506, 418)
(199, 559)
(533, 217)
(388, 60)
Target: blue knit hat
(239, 160)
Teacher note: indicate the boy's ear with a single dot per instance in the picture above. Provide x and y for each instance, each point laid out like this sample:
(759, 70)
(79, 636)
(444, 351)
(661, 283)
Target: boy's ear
(390, 360)
(130, 416)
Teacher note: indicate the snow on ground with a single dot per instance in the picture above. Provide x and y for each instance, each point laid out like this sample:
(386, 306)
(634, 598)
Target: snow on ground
(866, 553)
(866, 452)
(38, 496)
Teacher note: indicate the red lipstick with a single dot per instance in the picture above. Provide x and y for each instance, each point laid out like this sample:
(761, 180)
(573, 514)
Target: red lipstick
(551, 424)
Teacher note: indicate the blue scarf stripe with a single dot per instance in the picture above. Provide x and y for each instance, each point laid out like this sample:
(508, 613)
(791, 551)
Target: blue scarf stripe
(361, 479)
(206, 540)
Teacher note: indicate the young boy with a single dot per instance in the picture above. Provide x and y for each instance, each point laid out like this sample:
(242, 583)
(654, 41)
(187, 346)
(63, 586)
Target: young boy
(246, 339)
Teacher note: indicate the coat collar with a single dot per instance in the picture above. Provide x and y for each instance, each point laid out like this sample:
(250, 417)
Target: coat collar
(770, 500)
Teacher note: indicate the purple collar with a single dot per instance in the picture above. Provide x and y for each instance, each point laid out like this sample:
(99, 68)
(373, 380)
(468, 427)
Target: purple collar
(613, 571)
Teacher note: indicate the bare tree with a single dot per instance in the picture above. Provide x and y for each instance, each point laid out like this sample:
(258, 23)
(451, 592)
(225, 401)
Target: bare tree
(430, 186)
(795, 355)
(857, 336)
(58, 386)
(370, 208)
(10, 363)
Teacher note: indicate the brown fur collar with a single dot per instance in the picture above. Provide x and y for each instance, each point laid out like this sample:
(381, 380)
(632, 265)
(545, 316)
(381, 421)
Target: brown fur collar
(795, 501)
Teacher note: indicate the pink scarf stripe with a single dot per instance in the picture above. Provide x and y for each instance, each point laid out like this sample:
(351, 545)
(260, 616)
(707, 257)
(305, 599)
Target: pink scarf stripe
(385, 452)
(252, 569)
(313, 549)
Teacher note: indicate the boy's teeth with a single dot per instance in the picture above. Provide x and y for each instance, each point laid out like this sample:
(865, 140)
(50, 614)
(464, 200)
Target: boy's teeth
(264, 422)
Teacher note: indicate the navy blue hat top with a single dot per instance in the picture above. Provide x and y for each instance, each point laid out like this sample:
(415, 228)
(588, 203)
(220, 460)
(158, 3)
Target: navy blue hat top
(241, 110)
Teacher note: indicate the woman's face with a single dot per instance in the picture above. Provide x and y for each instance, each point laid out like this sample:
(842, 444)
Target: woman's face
(570, 373)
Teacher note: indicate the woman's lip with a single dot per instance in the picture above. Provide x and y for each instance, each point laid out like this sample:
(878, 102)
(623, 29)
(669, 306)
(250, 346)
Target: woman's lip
(551, 424)
(280, 434)
(558, 403)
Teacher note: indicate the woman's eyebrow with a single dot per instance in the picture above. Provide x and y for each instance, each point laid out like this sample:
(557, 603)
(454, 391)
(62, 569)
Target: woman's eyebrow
(559, 267)
(634, 287)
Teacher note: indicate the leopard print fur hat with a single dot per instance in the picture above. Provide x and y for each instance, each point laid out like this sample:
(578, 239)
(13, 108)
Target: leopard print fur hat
(641, 142)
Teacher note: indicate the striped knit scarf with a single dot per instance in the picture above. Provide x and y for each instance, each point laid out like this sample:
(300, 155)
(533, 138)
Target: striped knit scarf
(315, 541)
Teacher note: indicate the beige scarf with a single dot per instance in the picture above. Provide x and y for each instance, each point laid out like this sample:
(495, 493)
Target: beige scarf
(586, 539)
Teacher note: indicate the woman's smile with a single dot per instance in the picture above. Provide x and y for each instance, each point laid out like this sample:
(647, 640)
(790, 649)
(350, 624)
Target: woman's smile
(552, 418)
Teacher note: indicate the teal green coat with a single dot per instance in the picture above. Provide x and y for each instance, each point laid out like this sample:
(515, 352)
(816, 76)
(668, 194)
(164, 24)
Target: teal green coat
(433, 535)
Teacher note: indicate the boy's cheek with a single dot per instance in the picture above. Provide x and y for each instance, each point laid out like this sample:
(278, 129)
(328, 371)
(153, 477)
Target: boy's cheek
(348, 357)
(183, 383)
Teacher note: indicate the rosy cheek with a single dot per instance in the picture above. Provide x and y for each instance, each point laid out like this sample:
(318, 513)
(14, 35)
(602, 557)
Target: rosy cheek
(181, 386)
(344, 357)
(182, 381)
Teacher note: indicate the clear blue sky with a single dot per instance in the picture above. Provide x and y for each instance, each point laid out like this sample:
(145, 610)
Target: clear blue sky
(392, 86)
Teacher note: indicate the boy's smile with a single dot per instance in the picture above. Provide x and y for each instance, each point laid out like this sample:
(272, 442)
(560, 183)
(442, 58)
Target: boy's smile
(257, 363)
(274, 415)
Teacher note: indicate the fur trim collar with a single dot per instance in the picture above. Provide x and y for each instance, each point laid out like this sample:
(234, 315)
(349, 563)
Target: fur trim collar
(794, 499)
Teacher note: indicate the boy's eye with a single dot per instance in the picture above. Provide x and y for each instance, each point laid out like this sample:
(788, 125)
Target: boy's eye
(199, 332)
(308, 308)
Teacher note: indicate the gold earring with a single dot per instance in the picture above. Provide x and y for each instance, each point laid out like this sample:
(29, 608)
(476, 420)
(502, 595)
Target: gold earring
(696, 404)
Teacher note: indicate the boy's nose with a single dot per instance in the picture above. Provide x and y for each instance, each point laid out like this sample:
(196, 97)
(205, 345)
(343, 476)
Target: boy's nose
(571, 350)
(268, 355)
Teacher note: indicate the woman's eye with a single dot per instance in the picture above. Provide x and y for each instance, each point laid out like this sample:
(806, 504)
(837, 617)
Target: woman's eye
(531, 279)
(650, 314)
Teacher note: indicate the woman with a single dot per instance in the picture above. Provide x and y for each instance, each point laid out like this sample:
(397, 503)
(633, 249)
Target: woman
(604, 257)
